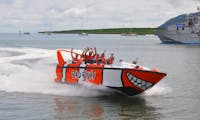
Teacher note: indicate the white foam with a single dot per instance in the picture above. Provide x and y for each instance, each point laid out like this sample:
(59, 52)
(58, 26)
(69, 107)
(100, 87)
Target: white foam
(33, 71)
(157, 90)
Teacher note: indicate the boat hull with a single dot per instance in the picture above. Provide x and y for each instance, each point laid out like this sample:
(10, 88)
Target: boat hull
(124, 80)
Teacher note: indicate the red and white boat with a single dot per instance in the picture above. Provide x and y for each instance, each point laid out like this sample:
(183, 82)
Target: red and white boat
(129, 79)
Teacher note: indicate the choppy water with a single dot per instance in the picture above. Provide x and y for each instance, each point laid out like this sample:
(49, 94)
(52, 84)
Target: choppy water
(28, 91)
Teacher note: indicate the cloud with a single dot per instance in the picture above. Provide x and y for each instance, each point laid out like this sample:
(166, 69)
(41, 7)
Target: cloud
(7, 2)
(75, 12)
(41, 15)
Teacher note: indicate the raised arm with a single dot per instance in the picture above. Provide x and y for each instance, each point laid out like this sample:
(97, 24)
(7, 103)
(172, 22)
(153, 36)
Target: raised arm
(104, 52)
(72, 54)
(95, 51)
(85, 51)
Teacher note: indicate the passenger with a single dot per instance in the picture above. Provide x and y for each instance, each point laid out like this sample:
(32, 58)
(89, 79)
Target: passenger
(90, 58)
(98, 59)
(135, 61)
(102, 58)
(83, 55)
(74, 59)
(110, 59)
(94, 51)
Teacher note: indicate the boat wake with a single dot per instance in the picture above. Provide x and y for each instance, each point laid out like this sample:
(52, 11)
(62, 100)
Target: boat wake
(158, 89)
(32, 70)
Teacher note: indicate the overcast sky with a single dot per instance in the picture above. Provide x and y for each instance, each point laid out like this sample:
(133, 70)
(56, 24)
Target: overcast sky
(41, 15)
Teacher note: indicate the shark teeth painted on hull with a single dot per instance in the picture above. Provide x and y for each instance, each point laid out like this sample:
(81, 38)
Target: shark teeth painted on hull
(138, 82)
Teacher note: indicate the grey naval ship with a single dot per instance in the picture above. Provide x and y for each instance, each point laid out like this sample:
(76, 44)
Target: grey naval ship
(181, 29)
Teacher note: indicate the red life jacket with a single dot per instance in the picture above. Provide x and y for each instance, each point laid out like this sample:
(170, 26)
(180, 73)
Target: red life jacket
(89, 57)
(75, 59)
(103, 60)
(110, 60)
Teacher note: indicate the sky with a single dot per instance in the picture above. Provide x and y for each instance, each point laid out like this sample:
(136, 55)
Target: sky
(45, 15)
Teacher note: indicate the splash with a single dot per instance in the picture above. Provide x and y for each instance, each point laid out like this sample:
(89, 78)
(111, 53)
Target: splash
(157, 90)
(32, 70)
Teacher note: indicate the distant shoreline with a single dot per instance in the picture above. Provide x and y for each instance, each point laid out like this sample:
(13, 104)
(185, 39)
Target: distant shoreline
(122, 31)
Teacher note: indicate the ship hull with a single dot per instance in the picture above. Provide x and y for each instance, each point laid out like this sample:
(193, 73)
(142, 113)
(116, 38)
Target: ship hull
(183, 29)
(168, 38)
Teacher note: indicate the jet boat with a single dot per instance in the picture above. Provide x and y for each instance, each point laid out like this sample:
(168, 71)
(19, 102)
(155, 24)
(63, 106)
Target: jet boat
(127, 79)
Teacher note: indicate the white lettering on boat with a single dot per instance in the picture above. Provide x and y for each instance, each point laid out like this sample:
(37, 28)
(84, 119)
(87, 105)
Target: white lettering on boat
(88, 75)
(75, 74)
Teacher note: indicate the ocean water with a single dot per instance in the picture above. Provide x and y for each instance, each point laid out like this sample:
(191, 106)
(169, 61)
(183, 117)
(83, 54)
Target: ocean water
(28, 91)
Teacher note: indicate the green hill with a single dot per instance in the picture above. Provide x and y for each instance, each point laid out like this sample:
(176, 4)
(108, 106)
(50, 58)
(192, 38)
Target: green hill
(108, 31)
